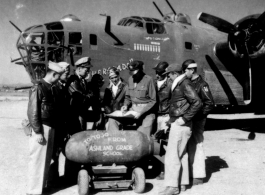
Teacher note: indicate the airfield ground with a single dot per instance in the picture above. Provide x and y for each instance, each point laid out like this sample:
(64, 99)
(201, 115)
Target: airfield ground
(235, 165)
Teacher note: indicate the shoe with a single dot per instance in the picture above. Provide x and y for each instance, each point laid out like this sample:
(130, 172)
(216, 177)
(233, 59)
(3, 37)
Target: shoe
(183, 188)
(169, 191)
(197, 181)
(161, 176)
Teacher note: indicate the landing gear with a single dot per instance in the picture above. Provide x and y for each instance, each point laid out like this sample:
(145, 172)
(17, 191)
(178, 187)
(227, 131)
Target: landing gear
(252, 135)
(138, 179)
(83, 182)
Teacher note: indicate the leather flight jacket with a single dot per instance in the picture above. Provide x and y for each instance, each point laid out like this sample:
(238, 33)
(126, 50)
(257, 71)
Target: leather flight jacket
(164, 95)
(79, 99)
(41, 106)
(203, 90)
(113, 102)
(184, 102)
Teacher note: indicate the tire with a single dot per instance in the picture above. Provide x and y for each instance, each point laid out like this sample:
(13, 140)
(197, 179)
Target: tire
(138, 179)
(83, 182)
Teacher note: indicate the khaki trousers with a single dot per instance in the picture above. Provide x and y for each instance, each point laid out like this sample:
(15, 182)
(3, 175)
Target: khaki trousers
(176, 159)
(162, 122)
(40, 155)
(195, 149)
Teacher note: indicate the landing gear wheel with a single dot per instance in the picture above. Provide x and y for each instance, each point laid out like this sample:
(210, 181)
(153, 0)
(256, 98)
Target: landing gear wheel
(83, 182)
(138, 179)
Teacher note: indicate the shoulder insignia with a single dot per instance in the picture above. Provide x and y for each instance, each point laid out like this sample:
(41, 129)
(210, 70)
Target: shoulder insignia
(206, 88)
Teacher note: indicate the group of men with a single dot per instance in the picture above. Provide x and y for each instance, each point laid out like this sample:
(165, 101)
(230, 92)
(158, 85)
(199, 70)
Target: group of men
(177, 104)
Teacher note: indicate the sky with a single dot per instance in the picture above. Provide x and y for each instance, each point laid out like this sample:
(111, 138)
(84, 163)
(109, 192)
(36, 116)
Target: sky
(25, 13)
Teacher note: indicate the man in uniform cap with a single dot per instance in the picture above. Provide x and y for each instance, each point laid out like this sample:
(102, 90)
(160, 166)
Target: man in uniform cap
(43, 118)
(163, 87)
(115, 93)
(184, 104)
(195, 144)
(140, 97)
(79, 94)
(63, 104)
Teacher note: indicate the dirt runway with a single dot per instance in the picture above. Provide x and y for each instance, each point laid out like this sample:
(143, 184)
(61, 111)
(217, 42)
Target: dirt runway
(235, 165)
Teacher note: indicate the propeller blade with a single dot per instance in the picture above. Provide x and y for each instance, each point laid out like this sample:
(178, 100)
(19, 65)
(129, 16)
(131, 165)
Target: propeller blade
(220, 24)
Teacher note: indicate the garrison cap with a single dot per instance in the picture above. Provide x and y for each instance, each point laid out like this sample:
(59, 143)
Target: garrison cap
(173, 68)
(84, 62)
(135, 65)
(161, 67)
(192, 65)
(55, 67)
(63, 65)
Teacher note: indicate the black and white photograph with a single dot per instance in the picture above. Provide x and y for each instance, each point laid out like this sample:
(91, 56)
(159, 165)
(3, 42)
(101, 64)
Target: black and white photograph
(125, 97)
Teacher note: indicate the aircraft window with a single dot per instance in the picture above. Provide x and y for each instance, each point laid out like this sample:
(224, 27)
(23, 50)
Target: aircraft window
(54, 26)
(155, 28)
(75, 38)
(36, 53)
(156, 20)
(55, 54)
(34, 38)
(188, 45)
(56, 38)
(121, 22)
(93, 39)
(39, 71)
(22, 50)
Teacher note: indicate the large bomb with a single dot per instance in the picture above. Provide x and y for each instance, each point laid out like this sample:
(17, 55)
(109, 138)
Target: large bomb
(103, 147)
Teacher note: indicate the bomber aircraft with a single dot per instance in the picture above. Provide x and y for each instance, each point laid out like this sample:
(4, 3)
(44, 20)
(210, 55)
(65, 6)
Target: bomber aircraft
(230, 58)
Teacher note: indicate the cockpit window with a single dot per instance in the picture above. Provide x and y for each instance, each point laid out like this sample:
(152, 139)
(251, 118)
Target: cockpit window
(56, 38)
(34, 38)
(75, 43)
(155, 28)
(54, 26)
(75, 38)
(152, 25)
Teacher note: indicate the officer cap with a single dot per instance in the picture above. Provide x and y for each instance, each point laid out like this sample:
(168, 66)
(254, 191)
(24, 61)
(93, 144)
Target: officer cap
(173, 68)
(83, 62)
(63, 65)
(135, 65)
(55, 67)
(161, 67)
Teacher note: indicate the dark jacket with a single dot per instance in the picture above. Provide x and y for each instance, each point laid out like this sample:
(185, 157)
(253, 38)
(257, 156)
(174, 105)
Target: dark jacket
(184, 102)
(203, 90)
(112, 103)
(62, 101)
(79, 98)
(164, 96)
(41, 106)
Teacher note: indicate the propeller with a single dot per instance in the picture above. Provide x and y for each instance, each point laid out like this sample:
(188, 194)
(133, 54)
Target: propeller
(245, 37)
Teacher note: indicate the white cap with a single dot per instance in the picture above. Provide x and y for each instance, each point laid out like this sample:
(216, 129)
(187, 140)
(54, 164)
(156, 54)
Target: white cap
(192, 65)
(84, 62)
(63, 65)
(55, 67)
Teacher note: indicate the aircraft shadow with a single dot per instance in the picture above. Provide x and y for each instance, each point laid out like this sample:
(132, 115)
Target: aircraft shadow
(214, 164)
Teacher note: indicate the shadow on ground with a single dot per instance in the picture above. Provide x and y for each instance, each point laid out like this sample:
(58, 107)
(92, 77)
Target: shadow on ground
(214, 164)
